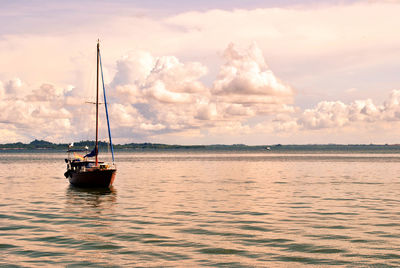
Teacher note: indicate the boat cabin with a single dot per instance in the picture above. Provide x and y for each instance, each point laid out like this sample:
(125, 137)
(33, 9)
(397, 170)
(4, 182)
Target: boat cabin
(78, 163)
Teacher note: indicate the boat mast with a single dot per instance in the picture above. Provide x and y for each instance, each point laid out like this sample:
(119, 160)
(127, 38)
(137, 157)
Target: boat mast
(97, 101)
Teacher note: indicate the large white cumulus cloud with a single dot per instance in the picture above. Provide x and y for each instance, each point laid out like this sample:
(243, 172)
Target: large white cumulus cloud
(163, 94)
(246, 78)
(151, 97)
(141, 77)
(245, 86)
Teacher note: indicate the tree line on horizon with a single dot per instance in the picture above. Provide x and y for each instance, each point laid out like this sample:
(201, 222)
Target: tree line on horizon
(46, 145)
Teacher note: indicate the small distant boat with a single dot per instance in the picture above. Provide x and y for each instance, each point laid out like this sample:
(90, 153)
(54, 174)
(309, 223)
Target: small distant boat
(83, 171)
(268, 148)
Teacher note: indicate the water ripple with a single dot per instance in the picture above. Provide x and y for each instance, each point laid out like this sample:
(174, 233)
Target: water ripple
(190, 210)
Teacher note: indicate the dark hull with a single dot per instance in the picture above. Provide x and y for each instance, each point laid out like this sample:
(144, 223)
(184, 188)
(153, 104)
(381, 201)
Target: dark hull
(94, 179)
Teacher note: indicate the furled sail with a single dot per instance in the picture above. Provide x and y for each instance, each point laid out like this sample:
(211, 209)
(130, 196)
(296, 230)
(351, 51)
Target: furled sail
(92, 153)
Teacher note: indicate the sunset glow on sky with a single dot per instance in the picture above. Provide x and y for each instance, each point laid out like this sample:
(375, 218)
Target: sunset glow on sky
(252, 72)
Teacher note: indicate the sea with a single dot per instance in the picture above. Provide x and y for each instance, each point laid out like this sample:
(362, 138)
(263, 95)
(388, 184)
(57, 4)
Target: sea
(188, 208)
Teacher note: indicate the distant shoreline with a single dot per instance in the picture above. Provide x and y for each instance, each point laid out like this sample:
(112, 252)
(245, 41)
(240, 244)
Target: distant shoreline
(49, 146)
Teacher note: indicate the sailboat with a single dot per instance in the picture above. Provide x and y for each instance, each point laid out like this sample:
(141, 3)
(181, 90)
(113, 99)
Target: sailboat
(84, 171)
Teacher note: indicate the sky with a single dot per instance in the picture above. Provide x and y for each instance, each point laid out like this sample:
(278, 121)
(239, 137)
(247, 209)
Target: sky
(202, 72)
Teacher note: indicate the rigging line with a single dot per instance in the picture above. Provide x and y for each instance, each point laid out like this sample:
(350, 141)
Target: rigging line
(105, 102)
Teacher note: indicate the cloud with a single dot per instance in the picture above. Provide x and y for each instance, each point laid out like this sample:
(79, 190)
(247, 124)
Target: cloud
(246, 87)
(391, 107)
(207, 111)
(336, 114)
(142, 77)
(125, 115)
(133, 68)
(8, 135)
(13, 86)
(164, 97)
(168, 95)
(41, 113)
(47, 92)
(326, 114)
(245, 77)
(2, 90)
(176, 76)
(299, 41)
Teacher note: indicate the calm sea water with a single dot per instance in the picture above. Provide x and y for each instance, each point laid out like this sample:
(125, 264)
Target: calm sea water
(184, 209)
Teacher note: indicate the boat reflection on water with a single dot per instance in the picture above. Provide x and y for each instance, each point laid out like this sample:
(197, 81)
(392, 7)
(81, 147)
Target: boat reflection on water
(91, 197)
(90, 214)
